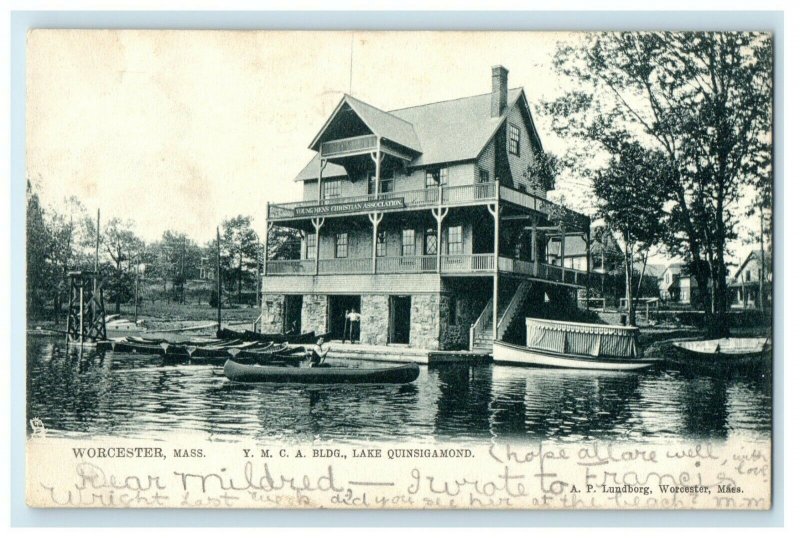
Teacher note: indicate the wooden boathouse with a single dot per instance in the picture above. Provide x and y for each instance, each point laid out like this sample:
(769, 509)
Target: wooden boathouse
(427, 222)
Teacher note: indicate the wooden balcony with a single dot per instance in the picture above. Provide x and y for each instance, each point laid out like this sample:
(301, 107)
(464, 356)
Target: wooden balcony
(457, 195)
(454, 196)
(451, 265)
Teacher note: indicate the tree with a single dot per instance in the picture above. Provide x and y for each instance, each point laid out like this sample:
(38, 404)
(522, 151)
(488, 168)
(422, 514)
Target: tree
(40, 284)
(122, 245)
(631, 195)
(542, 171)
(240, 252)
(704, 101)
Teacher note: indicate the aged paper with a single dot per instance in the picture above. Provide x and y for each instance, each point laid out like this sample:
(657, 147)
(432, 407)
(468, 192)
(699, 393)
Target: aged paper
(404, 236)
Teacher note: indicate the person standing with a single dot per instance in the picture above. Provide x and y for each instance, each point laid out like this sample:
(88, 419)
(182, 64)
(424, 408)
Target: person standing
(346, 321)
(354, 318)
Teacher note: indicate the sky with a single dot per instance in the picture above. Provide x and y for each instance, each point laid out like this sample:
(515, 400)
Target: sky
(182, 129)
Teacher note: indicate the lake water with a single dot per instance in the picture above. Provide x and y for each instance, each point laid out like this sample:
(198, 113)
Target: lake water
(131, 395)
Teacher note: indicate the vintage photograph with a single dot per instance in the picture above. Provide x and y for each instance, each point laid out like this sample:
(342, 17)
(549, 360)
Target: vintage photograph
(399, 269)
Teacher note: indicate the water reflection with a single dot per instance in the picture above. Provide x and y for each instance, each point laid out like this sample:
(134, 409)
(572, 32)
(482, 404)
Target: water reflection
(120, 394)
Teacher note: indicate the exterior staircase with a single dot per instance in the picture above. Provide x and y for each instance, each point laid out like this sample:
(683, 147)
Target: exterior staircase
(481, 330)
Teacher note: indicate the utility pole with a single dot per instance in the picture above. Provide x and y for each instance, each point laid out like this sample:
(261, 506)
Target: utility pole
(219, 288)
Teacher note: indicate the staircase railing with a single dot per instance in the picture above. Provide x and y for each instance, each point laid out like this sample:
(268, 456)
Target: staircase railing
(513, 306)
(481, 324)
(255, 323)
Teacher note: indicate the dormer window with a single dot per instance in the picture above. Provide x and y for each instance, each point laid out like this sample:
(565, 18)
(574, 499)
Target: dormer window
(513, 139)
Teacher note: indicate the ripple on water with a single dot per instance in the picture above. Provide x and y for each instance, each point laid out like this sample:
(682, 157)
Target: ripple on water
(134, 395)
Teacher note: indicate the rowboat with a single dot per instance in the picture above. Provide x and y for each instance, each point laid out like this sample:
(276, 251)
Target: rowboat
(723, 352)
(275, 374)
(586, 346)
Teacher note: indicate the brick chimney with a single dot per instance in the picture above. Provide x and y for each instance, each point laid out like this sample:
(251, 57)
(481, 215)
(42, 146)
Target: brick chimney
(499, 90)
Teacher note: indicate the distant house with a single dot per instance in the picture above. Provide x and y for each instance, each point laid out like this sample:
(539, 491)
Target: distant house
(574, 251)
(677, 285)
(745, 284)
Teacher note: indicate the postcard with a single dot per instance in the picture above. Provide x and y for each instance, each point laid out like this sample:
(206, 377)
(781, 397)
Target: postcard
(399, 270)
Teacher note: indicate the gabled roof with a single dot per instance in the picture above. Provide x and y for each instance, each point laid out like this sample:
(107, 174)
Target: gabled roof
(447, 131)
(756, 256)
(379, 122)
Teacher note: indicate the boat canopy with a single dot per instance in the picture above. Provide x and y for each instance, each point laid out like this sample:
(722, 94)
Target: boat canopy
(581, 338)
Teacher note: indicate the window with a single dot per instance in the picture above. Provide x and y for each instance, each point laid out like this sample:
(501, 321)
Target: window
(387, 182)
(483, 176)
(430, 241)
(332, 188)
(409, 247)
(747, 275)
(513, 139)
(341, 245)
(455, 243)
(311, 246)
(436, 178)
(380, 246)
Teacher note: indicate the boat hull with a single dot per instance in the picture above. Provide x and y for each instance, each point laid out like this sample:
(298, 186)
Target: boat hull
(706, 355)
(269, 374)
(505, 353)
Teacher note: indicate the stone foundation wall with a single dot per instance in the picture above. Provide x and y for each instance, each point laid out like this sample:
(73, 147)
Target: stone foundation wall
(425, 321)
(272, 313)
(314, 315)
(374, 319)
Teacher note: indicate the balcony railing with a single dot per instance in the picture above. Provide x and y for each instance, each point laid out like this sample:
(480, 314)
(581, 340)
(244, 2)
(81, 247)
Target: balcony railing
(290, 267)
(451, 264)
(406, 264)
(345, 266)
(349, 146)
(467, 263)
(421, 198)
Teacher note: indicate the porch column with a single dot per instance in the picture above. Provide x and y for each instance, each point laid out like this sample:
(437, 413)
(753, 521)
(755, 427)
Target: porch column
(317, 224)
(322, 164)
(495, 212)
(588, 260)
(563, 251)
(375, 219)
(534, 249)
(439, 213)
(377, 158)
(266, 242)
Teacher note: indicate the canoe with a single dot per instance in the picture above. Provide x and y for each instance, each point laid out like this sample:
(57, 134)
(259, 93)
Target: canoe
(505, 353)
(274, 374)
(218, 350)
(126, 346)
(304, 338)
